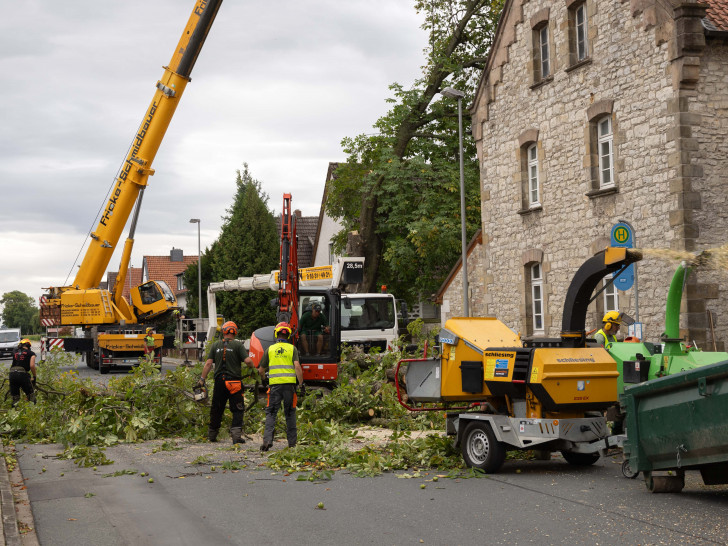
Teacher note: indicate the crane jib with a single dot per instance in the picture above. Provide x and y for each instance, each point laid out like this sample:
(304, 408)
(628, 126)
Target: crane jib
(138, 140)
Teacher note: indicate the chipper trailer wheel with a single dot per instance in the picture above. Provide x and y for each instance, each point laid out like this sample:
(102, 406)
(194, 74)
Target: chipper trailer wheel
(580, 459)
(627, 471)
(481, 449)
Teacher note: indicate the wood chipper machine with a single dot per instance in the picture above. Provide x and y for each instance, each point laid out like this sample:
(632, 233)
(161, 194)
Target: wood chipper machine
(502, 394)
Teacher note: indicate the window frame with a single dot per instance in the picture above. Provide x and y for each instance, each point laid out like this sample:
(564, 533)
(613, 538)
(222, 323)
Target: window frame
(180, 283)
(544, 63)
(533, 167)
(581, 53)
(610, 291)
(608, 140)
(536, 282)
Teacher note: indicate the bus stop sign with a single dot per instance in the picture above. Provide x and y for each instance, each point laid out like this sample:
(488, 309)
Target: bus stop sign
(622, 237)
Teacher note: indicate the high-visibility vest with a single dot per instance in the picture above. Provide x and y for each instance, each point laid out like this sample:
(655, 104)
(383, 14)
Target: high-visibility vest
(280, 364)
(607, 341)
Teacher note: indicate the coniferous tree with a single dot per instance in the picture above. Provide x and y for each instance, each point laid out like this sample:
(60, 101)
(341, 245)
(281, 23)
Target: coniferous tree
(248, 245)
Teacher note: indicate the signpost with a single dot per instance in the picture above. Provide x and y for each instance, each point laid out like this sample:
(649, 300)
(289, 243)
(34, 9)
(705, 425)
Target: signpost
(622, 236)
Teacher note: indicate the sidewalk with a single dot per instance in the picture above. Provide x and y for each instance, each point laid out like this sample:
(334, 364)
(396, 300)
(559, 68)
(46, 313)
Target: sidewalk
(11, 535)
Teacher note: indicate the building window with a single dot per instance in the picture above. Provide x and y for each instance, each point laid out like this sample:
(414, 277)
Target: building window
(606, 152)
(533, 186)
(543, 43)
(537, 299)
(180, 283)
(578, 33)
(611, 296)
(580, 23)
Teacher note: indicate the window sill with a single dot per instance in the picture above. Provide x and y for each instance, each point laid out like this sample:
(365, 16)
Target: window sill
(578, 64)
(529, 210)
(602, 192)
(538, 84)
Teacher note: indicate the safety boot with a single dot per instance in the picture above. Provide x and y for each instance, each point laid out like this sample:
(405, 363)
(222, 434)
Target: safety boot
(237, 435)
(212, 434)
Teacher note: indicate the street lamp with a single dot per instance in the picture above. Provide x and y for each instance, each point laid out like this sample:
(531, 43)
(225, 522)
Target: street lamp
(451, 93)
(199, 268)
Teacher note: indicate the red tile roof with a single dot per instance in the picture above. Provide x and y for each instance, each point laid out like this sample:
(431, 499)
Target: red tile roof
(133, 278)
(717, 13)
(162, 268)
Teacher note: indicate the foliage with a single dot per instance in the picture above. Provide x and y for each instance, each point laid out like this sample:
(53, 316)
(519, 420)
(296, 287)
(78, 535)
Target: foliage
(87, 418)
(19, 311)
(248, 245)
(399, 188)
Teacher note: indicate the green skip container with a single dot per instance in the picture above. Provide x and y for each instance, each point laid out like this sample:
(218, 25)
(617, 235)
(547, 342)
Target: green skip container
(678, 423)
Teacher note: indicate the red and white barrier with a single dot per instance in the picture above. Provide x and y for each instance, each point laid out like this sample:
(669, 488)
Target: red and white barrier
(52, 342)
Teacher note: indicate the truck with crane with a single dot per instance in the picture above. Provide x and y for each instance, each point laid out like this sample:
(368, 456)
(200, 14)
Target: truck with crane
(115, 328)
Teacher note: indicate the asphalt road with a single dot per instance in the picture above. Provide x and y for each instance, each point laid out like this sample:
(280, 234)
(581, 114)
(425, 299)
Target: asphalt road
(529, 502)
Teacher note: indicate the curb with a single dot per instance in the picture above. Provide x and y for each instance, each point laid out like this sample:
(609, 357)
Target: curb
(11, 535)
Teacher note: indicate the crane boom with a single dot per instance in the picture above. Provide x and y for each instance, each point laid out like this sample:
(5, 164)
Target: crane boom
(137, 167)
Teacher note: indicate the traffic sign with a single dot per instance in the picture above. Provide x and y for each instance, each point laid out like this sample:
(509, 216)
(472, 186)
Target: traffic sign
(622, 237)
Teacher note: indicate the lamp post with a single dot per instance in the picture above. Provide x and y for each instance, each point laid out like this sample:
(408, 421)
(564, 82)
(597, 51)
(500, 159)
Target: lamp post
(199, 268)
(451, 93)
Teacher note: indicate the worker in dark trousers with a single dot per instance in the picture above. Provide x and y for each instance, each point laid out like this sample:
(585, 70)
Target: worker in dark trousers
(228, 355)
(20, 371)
(281, 360)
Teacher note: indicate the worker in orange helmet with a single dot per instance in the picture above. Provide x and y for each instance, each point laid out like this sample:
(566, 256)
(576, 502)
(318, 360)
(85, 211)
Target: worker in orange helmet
(284, 372)
(228, 356)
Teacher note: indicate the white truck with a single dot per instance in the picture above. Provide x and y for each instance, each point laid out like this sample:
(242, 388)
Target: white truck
(9, 339)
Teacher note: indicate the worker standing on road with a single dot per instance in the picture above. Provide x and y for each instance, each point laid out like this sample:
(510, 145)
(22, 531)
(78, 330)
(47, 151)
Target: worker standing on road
(228, 356)
(20, 370)
(314, 324)
(284, 371)
(149, 342)
(608, 332)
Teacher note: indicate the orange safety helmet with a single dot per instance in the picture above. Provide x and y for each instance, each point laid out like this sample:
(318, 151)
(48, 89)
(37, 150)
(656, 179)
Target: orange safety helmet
(230, 328)
(283, 327)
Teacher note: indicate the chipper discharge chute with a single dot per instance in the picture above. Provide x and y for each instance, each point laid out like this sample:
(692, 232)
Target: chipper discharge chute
(502, 394)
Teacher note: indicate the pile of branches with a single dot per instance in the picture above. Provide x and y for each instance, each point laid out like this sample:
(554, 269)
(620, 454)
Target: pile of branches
(86, 416)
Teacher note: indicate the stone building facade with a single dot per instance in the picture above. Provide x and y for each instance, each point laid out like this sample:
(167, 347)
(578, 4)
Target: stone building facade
(591, 112)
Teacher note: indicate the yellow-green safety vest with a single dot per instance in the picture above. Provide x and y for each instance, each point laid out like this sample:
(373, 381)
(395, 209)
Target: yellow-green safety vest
(607, 341)
(280, 364)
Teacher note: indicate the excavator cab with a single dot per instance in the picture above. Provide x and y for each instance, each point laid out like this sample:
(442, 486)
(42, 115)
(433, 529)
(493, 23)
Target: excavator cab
(153, 299)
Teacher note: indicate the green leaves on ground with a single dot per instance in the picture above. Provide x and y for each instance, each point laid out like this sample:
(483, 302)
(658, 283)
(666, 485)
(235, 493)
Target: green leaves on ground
(87, 417)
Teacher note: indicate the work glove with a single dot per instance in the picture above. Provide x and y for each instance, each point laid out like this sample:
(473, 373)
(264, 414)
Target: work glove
(200, 382)
(302, 391)
(32, 381)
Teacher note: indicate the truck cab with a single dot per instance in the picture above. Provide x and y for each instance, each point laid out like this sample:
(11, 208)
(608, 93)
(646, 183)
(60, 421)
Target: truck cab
(369, 321)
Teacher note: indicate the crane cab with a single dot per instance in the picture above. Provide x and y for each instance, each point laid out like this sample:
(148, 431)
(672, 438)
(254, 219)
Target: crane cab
(152, 299)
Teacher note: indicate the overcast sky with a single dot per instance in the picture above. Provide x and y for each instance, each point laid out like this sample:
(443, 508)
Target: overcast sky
(278, 84)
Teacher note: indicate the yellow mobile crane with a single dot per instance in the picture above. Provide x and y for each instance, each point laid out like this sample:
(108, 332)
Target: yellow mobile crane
(114, 327)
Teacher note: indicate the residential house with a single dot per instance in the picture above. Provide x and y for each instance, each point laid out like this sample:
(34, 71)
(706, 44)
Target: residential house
(591, 112)
(168, 269)
(306, 232)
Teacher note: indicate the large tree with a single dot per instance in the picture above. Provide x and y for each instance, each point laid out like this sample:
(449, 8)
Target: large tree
(400, 187)
(248, 245)
(19, 311)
